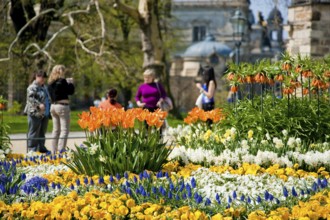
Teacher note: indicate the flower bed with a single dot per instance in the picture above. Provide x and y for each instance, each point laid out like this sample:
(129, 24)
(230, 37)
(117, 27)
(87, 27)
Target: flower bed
(208, 172)
(51, 190)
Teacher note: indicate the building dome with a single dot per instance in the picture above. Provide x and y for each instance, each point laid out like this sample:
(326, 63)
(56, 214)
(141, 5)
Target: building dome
(206, 48)
(275, 17)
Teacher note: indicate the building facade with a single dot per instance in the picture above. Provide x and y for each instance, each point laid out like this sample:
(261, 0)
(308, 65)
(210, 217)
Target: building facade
(205, 36)
(309, 28)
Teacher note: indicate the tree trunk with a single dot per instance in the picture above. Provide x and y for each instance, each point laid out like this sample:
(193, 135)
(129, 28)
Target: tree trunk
(151, 38)
(147, 17)
(18, 12)
(22, 11)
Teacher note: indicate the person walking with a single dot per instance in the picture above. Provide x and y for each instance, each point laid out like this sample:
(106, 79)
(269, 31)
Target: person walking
(37, 109)
(207, 89)
(59, 89)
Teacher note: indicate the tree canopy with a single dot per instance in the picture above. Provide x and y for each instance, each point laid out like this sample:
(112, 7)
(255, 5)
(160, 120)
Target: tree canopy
(96, 39)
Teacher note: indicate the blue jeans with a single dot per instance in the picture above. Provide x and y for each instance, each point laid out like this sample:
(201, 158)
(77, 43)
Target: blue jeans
(36, 134)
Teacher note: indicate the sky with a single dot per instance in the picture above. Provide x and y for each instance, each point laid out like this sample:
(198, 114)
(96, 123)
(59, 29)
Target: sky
(265, 7)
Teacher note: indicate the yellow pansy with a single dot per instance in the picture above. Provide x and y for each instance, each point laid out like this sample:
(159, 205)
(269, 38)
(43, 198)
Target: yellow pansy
(217, 217)
(275, 217)
(130, 203)
(198, 214)
(123, 197)
(136, 209)
(76, 214)
(150, 210)
(184, 209)
(257, 215)
(73, 194)
(139, 216)
(184, 216)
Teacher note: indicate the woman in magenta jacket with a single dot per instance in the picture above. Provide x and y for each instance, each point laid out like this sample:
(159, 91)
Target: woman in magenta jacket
(150, 94)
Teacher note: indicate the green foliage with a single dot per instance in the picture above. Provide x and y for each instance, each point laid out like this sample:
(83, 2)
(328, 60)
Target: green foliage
(16, 108)
(112, 152)
(4, 137)
(308, 120)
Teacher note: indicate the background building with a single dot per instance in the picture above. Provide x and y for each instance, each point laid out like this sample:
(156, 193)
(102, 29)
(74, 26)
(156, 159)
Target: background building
(205, 36)
(309, 28)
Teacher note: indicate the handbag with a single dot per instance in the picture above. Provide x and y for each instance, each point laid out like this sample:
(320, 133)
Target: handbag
(199, 101)
(167, 103)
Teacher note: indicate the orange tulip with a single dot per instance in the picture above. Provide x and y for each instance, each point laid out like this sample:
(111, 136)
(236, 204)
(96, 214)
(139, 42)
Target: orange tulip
(83, 120)
(142, 115)
(197, 114)
(97, 118)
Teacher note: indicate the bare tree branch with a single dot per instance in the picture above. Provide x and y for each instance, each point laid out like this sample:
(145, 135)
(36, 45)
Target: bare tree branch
(69, 15)
(39, 50)
(21, 31)
(102, 37)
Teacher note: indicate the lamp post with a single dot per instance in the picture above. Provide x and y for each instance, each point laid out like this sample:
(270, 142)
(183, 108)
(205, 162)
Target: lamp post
(238, 22)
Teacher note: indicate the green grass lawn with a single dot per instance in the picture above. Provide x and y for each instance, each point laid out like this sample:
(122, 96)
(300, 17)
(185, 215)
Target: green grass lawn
(18, 123)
